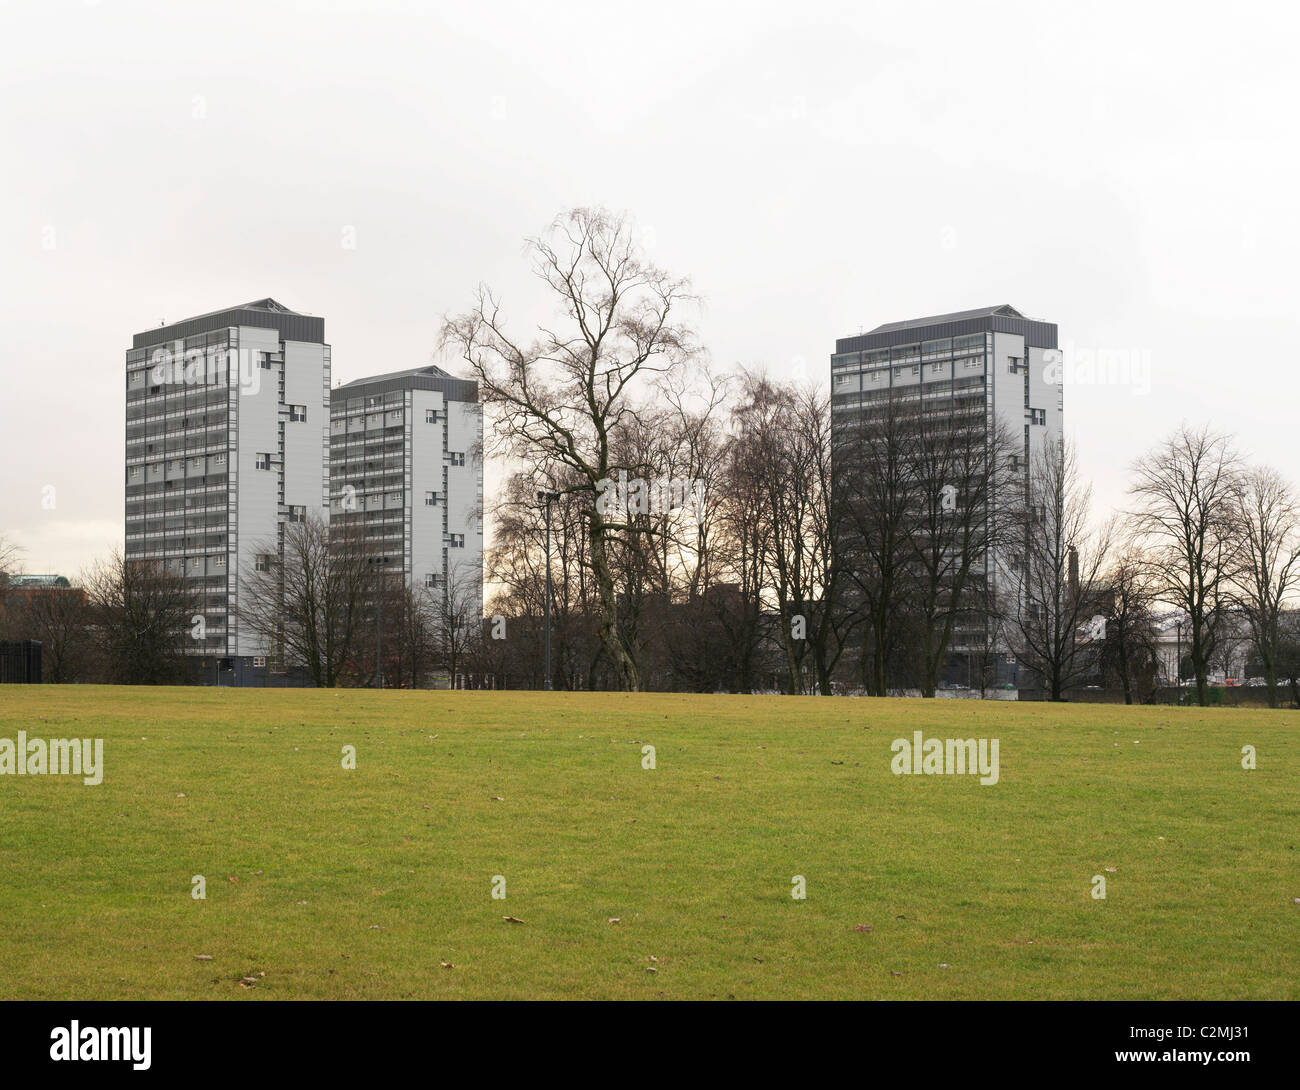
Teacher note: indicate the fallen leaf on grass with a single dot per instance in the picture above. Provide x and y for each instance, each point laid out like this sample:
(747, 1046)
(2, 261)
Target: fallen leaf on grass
(512, 919)
(863, 927)
(202, 957)
(614, 919)
(651, 969)
(232, 878)
(446, 964)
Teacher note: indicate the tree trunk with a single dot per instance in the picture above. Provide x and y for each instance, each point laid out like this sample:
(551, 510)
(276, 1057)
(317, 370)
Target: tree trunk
(625, 674)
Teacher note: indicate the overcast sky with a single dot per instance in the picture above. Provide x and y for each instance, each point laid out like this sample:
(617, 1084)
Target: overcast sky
(1127, 171)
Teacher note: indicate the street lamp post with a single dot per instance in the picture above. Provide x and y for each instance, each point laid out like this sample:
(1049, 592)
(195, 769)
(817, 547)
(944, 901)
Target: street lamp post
(547, 498)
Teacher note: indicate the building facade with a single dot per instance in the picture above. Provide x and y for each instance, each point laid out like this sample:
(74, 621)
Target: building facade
(406, 462)
(227, 440)
(986, 367)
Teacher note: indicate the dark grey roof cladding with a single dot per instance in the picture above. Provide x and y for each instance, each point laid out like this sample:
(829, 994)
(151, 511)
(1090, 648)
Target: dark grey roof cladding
(415, 378)
(1000, 319)
(262, 313)
(958, 316)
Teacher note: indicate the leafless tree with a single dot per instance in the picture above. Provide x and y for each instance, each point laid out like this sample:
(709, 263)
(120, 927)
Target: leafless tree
(457, 616)
(558, 396)
(10, 557)
(61, 619)
(313, 604)
(963, 482)
(142, 617)
(1186, 491)
(1129, 651)
(1057, 565)
(881, 508)
(781, 466)
(1267, 573)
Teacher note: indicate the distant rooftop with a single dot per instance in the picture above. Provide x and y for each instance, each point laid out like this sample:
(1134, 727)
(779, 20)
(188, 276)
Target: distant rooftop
(262, 313)
(1004, 311)
(999, 319)
(39, 581)
(429, 377)
(430, 370)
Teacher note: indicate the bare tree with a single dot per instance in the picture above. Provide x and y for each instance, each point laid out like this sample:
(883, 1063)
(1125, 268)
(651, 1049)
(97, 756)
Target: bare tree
(1056, 574)
(142, 616)
(963, 483)
(60, 618)
(1186, 489)
(457, 618)
(1129, 650)
(312, 605)
(881, 507)
(10, 558)
(559, 396)
(782, 467)
(1267, 572)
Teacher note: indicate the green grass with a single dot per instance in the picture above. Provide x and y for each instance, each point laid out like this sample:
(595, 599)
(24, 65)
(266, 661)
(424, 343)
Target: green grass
(395, 860)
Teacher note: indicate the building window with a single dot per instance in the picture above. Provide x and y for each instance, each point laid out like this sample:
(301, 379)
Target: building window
(218, 561)
(297, 514)
(259, 662)
(916, 368)
(457, 458)
(1013, 365)
(263, 461)
(430, 580)
(456, 541)
(133, 473)
(297, 412)
(1038, 416)
(218, 459)
(431, 499)
(262, 562)
(431, 416)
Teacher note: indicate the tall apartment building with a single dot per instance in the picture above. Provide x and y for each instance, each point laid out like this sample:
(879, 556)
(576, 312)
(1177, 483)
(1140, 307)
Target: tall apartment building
(406, 461)
(992, 363)
(227, 439)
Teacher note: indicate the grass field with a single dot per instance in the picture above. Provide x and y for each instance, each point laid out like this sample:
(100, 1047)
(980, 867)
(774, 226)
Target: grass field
(338, 883)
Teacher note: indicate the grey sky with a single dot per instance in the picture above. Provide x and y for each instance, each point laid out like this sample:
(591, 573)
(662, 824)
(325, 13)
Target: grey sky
(1127, 171)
